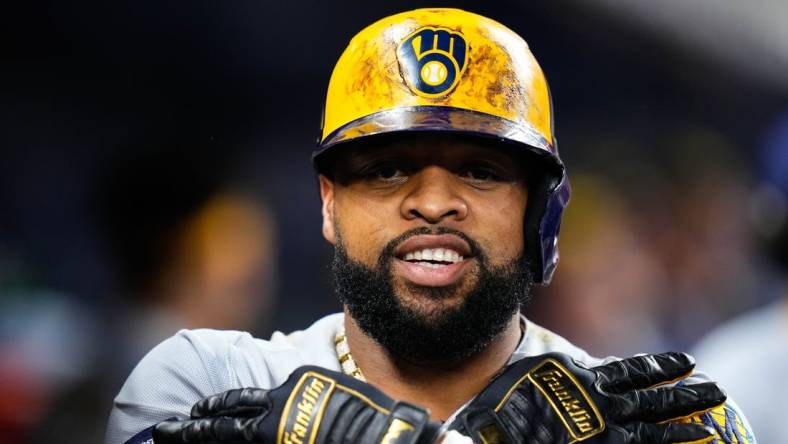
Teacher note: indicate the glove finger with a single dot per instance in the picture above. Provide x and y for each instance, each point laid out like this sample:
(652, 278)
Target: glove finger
(644, 371)
(204, 431)
(237, 402)
(670, 433)
(665, 403)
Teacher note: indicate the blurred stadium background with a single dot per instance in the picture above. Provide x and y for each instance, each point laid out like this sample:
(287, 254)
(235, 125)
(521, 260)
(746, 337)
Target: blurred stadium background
(154, 175)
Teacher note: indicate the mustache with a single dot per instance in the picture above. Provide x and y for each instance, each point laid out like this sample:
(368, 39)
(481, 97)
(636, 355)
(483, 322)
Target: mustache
(387, 254)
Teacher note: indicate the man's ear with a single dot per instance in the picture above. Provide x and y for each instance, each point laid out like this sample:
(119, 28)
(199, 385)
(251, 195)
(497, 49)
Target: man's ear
(327, 195)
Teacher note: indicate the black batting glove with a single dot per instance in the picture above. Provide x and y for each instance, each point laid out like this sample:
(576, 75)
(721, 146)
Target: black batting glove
(550, 399)
(314, 406)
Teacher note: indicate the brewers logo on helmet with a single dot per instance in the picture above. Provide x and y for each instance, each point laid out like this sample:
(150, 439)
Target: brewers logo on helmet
(448, 70)
(432, 60)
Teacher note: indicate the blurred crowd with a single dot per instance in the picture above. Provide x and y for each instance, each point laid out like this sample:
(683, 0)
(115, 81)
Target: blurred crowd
(658, 249)
(209, 216)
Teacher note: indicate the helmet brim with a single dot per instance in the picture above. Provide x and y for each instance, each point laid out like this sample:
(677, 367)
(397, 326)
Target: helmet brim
(440, 119)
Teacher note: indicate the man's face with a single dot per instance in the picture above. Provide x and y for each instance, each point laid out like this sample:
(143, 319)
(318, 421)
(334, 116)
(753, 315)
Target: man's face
(438, 222)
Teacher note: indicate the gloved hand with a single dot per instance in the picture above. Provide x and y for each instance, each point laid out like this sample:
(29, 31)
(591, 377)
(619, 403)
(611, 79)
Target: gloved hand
(550, 399)
(313, 406)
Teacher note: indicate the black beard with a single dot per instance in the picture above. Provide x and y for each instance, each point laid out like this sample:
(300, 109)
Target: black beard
(442, 337)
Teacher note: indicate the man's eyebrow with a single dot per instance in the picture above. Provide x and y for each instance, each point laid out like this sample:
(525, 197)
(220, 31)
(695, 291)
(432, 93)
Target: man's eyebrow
(493, 156)
(364, 156)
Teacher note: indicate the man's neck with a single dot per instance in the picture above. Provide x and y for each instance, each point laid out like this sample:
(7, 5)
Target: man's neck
(442, 390)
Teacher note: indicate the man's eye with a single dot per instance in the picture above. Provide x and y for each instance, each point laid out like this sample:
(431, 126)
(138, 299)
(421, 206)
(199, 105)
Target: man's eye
(481, 174)
(388, 172)
(384, 172)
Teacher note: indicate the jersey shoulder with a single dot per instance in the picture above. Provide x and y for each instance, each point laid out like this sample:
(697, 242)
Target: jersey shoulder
(538, 340)
(194, 364)
(171, 377)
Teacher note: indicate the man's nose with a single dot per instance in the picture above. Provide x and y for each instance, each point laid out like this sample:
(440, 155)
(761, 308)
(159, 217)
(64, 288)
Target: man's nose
(434, 197)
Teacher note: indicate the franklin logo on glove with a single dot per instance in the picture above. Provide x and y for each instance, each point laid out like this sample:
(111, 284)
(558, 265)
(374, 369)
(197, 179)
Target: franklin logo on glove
(570, 401)
(304, 409)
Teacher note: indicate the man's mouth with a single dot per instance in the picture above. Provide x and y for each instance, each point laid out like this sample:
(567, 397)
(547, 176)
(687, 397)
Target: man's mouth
(433, 257)
(432, 260)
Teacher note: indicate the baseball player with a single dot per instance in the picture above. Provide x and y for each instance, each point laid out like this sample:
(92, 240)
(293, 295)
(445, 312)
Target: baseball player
(442, 193)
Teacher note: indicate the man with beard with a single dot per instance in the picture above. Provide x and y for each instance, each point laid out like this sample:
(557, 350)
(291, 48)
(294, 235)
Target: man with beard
(442, 193)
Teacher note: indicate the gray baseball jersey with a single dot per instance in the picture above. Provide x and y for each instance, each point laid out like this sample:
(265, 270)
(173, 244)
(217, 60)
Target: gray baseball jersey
(194, 364)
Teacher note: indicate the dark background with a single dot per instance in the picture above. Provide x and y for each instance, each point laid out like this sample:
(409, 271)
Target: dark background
(120, 120)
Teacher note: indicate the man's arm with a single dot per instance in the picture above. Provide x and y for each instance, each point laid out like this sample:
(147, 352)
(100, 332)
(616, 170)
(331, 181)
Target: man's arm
(529, 402)
(168, 381)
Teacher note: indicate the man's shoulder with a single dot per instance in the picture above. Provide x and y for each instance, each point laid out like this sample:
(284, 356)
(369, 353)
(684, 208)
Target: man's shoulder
(539, 340)
(234, 358)
(193, 364)
(315, 343)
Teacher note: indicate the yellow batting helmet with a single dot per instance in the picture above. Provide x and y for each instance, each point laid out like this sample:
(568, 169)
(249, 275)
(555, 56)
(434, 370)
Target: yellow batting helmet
(452, 70)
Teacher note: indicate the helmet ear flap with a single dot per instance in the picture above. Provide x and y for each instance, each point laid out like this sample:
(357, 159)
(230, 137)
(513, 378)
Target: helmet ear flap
(548, 195)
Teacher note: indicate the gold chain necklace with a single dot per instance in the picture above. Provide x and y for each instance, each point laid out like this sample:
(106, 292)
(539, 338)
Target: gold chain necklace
(349, 366)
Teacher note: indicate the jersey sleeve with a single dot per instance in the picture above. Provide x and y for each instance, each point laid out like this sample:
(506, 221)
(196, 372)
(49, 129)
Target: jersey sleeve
(729, 423)
(168, 381)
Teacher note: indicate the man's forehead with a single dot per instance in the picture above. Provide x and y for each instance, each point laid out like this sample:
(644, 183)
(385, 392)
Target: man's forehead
(426, 147)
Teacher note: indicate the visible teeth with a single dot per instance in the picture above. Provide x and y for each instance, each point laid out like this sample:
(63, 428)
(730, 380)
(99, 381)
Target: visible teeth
(434, 254)
(432, 265)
